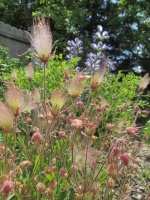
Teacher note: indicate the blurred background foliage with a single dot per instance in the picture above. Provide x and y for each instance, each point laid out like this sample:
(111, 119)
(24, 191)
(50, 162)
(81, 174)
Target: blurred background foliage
(127, 22)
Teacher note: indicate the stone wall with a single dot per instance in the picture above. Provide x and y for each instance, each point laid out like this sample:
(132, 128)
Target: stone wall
(17, 41)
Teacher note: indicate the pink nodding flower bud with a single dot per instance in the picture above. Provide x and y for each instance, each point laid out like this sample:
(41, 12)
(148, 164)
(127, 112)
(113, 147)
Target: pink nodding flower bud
(80, 105)
(135, 167)
(125, 159)
(62, 134)
(53, 184)
(69, 119)
(36, 137)
(111, 170)
(145, 112)
(111, 182)
(136, 108)
(63, 172)
(116, 151)
(50, 169)
(132, 131)
(74, 168)
(7, 187)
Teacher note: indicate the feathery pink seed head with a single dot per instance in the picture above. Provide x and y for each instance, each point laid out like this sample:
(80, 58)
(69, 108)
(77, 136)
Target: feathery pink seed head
(42, 39)
(30, 72)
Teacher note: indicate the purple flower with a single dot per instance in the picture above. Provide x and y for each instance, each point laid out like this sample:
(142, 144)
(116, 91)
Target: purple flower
(75, 48)
(99, 28)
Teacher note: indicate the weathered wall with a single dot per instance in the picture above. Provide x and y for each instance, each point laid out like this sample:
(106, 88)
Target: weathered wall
(16, 40)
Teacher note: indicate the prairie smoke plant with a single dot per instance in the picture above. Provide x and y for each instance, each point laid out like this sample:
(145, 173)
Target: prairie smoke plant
(14, 99)
(97, 78)
(30, 72)
(36, 95)
(6, 118)
(125, 159)
(42, 39)
(75, 88)
(36, 137)
(58, 99)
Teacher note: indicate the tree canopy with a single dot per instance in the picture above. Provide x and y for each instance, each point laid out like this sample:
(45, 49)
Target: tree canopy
(127, 22)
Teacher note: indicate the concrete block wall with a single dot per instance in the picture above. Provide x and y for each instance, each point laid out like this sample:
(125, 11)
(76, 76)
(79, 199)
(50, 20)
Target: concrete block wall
(17, 41)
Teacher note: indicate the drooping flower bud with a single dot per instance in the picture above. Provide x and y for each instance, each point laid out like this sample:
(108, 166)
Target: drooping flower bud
(145, 112)
(135, 167)
(116, 151)
(74, 168)
(125, 159)
(136, 108)
(50, 169)
(112, 170)
(62, 134)
(7, 187)
(111, 182)
(69, 119)
(63, 172)
(36, 137)
(29, 72)
(132, 131)
(53, 184)
(80, 105)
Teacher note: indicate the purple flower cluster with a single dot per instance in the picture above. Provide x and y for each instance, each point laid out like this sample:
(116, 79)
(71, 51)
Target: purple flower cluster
(100, 35)
(97, 56)
(75, 48)
(95, 59)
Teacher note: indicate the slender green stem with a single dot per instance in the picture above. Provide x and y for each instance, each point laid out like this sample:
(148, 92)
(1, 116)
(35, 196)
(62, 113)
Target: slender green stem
(5, 159)
(100, 169)
(45, 87)
(14, 132)
(85, 165)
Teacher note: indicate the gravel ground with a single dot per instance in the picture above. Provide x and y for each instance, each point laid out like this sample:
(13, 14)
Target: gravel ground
(141, 187)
